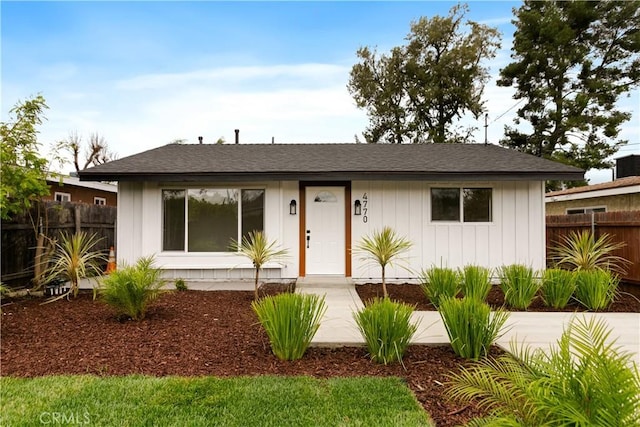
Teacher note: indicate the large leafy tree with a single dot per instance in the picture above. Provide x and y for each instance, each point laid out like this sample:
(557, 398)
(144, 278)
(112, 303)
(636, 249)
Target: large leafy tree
(571, 63)
(24, 171)
(418, 91)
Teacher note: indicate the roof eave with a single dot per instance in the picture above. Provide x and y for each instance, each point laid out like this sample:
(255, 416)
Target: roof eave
(331, 176)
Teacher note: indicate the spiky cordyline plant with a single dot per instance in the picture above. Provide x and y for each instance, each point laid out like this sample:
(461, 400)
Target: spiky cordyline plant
(383, 247)
(585, 380)
(257, 247)
(581, 251)
(73, 259)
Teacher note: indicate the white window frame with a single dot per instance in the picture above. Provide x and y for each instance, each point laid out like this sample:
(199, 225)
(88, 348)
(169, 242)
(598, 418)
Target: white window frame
(101, 201)
(64, 197)
(585, 210)
(461, 189)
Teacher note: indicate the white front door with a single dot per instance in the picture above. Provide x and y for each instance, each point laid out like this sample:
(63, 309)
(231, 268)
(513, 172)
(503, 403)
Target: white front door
(325, 231)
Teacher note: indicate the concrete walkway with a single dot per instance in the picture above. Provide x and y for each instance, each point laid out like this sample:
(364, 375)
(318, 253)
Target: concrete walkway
(537, 330)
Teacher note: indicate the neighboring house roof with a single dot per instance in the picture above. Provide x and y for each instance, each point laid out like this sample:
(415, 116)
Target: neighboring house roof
(630, 184)
(74, 181)
(242, 162)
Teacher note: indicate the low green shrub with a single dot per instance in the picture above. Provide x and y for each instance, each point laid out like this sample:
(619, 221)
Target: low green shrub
(438, 282)
(387, 329)
(181, 285)
(557, 287)
(596, 289)
(130, 289)
(291, 321)
(476, 282)
(518, 285)
(471, 326)
(585, 380)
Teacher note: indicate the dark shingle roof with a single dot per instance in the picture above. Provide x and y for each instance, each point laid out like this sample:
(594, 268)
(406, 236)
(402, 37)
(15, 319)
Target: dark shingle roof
(242, 162)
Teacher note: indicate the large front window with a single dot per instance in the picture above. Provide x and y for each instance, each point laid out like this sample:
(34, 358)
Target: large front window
(208, 219)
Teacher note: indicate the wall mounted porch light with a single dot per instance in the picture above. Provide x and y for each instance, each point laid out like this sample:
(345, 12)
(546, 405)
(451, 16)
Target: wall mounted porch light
(357, 208)
(293, 207)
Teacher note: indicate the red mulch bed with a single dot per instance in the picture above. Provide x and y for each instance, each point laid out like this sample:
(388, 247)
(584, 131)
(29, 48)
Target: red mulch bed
(196, 333)
(628, 300)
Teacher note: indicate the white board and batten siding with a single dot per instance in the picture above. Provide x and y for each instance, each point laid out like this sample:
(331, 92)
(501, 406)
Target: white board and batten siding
(140, 233)
(515, 234)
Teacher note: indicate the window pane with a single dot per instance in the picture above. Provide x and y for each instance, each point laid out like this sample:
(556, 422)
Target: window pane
(213, 219)
(477, 204)
(173, 220)
(252, 211)
(445, 204)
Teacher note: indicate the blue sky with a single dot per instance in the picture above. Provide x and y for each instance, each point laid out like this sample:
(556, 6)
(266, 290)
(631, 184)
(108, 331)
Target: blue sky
(145, 73)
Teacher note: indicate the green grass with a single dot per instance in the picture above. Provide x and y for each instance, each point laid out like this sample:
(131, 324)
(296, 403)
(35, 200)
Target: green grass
(206, 401)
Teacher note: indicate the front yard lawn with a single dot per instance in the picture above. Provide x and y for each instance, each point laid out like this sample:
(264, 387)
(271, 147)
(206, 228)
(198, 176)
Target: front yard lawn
(205, 401)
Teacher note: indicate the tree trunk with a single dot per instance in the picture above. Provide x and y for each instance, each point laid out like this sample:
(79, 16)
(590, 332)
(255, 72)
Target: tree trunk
(255, 291)
(384, 285)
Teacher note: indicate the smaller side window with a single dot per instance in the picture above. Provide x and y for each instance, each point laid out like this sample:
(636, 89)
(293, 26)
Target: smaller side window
(445, 204)
(62, 197)
(574, 211)
(99, 201)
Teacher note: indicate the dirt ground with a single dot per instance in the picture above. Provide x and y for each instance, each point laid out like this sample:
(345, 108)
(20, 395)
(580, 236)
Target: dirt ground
(196, 333)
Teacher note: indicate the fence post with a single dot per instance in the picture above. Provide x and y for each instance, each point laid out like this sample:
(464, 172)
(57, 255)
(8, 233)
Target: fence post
(77, 218)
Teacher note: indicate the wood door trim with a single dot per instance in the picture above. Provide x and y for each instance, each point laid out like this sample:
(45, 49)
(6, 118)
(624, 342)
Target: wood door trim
(302, 195)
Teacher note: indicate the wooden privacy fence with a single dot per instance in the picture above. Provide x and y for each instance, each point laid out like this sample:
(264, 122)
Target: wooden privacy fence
(621, 226)
(19, 234)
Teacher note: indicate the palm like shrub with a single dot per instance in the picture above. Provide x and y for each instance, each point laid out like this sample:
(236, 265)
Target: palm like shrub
(518, 285)
(476, 282)
(596, 289)
(257, 247)
(581, 251)
(387, 329)
(131, 289)
(557, 287)
(583, 381)
(471, 326)
(438, 283)
(291, 321)
(383, 248)
(73, 259)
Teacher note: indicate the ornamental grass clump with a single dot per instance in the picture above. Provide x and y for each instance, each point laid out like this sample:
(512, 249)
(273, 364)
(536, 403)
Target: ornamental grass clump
(476, 282)
(386, 328)
(518, 285)
(291, 321)
(131, 289)
(558, 287)
(585, 380)
(471, 326)
(438, 283)
(596, 289)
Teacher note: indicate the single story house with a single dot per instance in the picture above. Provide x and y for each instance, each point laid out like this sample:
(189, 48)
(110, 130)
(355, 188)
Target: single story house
(621, 194)
(71, 189)
(458, 203)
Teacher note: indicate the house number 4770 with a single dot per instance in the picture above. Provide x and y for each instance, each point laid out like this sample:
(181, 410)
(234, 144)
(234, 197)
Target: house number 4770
(365, 202)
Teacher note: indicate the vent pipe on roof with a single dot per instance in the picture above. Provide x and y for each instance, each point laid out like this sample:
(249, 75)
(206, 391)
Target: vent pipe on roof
(486, 126)
(237, 136)
(273, 140)
(200, 139)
